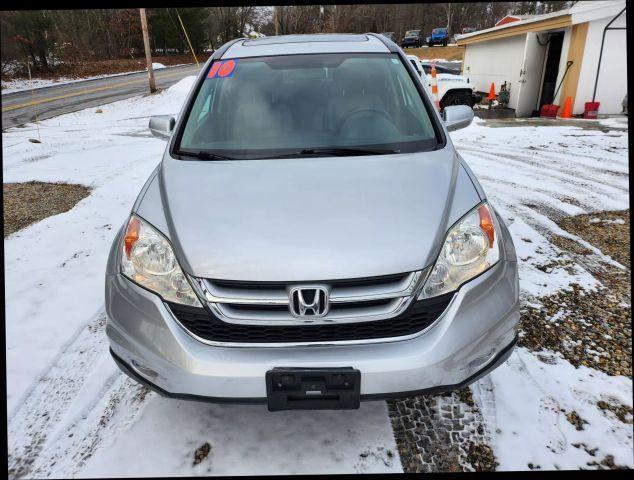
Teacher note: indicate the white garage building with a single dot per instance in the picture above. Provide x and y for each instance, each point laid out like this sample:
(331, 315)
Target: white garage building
(532, 54)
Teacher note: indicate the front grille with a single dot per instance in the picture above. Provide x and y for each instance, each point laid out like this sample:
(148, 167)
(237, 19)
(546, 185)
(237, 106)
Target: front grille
(350, 300)
(418, 316)
(352, 282)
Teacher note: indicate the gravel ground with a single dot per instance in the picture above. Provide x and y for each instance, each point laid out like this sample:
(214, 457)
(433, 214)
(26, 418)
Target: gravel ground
(441, 433)
(27, 203)
(591, 328)
(608, 231)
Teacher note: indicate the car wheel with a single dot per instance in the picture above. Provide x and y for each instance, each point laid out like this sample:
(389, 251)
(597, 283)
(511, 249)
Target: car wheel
(444, 44)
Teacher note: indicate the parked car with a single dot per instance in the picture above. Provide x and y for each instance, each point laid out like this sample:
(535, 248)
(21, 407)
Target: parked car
(466, 30)
(453, 89)
(412, 38)
(439, 36)
(310, 238)
(390, 35)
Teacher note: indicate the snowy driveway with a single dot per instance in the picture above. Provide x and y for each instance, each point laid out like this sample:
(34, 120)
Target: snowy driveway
(71, 413)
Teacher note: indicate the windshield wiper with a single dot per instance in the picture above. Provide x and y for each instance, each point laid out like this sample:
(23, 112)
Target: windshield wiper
(338, 152)
(203, 155)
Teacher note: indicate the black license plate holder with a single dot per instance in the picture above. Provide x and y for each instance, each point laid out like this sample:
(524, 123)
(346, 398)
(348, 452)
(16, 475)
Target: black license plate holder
(313, 388)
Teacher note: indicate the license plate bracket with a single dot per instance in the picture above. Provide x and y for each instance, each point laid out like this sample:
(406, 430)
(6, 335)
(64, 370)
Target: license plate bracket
(313, 388)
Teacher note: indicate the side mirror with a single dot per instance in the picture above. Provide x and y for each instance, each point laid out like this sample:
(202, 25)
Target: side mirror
(161, 126)
(457, 117)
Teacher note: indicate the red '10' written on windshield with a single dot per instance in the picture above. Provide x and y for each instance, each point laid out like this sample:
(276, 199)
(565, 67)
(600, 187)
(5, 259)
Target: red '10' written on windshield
(222, 69)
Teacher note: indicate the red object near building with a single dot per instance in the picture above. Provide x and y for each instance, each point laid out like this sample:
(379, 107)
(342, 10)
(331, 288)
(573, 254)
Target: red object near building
(591, 110)
(549, 111)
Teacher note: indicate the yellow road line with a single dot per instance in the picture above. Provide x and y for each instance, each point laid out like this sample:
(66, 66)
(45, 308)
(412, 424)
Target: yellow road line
(81, 92)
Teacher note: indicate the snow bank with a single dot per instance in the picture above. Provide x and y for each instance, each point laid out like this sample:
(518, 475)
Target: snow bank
(157, 66)
(183, 86)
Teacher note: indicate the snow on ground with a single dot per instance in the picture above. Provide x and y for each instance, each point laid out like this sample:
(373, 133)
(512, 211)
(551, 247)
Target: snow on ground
(619, 121)
(253, 441)
(72, 413)
(525, 403)
(525, 170)
(157, 66)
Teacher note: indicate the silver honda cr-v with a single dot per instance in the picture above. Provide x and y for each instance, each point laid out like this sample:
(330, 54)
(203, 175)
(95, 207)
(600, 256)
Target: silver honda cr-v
(311, 238)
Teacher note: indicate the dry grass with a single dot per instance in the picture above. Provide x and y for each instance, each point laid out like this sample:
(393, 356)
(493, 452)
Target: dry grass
(429, 53)
(30, 202)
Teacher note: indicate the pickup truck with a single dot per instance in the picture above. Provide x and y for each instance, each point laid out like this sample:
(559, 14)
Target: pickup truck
(452, 89)
(439, 36)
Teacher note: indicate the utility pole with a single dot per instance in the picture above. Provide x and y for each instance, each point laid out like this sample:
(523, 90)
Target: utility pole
(148, 53)
(275, 21)
(321, 18)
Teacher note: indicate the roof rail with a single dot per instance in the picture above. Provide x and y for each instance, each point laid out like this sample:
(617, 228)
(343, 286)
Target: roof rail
(224, 47)
(392, 47)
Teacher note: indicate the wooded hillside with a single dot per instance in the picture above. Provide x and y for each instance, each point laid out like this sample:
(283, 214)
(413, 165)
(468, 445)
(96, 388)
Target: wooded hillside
(48, 38)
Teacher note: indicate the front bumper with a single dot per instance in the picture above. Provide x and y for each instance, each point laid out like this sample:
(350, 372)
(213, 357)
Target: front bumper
(474, 334)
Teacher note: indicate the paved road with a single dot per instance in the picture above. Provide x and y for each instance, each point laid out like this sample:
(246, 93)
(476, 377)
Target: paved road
(22, 107)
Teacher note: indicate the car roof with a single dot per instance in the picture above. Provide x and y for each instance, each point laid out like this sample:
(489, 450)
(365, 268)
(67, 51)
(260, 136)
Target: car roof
(298, 44)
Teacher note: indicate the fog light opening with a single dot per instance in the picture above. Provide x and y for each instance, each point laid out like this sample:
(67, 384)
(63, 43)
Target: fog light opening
(143, 370)
(481, 360)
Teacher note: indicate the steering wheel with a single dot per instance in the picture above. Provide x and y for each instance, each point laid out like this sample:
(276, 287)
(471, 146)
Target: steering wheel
(357, 111)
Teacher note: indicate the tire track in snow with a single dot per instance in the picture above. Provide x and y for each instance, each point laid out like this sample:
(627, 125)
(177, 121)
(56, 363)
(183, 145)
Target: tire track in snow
(113, 409)
(56, 399)
(555, 157)
(535, 171)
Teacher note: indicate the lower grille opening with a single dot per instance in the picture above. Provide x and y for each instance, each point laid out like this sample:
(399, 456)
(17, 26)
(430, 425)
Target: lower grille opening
(418, 316)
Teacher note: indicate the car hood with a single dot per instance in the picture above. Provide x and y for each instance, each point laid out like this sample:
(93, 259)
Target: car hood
(308, 218)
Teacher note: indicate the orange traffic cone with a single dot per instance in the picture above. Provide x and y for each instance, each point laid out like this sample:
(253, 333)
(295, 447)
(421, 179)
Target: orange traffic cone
(492, 92)
(567, 112)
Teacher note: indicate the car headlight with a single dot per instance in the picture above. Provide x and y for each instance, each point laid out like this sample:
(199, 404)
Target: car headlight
(470, 247)
(147, 258)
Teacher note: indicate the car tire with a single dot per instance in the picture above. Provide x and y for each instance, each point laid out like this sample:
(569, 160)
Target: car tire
(444, 44)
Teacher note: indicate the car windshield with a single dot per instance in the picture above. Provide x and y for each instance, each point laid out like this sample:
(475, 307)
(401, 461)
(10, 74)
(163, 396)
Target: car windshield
(439, 30)
(412, 33)
(302, 105)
